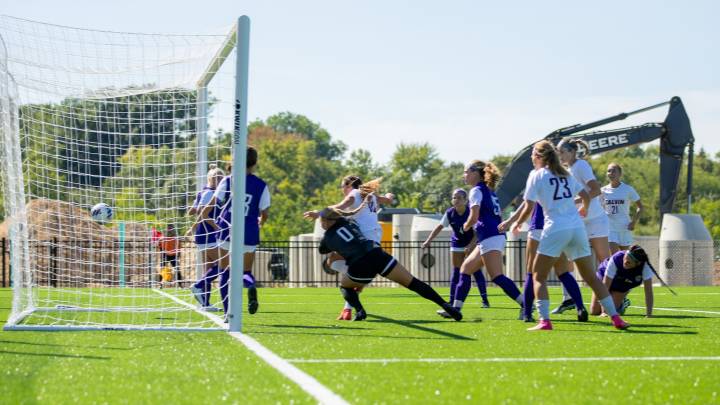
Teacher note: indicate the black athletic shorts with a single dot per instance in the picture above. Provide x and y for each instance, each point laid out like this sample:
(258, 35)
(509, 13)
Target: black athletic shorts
(374, 262)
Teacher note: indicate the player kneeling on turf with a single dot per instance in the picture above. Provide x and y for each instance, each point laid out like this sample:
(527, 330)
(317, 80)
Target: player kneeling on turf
(622, 272)
(365, 260)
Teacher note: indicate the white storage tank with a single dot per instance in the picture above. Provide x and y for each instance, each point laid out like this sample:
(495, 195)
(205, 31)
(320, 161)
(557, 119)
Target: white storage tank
(432, 265)
(294, 264)
(515, 247)
(307, 259)
(403, 247)
(686, 250)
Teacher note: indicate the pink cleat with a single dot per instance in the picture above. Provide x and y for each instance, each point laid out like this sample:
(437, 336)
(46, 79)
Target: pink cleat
(345, 315)
(544, 324)
(618, 322)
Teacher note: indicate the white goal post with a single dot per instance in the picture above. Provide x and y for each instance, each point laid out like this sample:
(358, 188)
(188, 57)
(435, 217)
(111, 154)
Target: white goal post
(132, 120)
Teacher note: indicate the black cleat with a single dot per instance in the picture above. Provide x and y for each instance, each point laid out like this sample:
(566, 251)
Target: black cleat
(529, 319)
(453, 312)
(253, 303)
(624, 306)
(360, 315)
(582, 314)
(443, 313)
(565, 306)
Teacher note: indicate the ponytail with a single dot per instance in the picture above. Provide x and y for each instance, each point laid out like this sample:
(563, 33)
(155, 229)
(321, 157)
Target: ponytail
(549, 156)
(489, 172)
(371, 187)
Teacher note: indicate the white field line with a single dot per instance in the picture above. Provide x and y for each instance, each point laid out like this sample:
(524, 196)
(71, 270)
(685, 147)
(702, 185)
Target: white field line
(306, 382)
(511, 359)
(695, 311)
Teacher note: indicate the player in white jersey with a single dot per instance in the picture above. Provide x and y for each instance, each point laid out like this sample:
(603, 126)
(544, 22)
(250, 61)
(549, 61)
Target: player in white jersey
(596, 222)
(355, 192)
(563, 232)
(618, 197)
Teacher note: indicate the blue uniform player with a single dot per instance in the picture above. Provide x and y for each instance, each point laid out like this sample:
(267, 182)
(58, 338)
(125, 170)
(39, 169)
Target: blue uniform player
(257, 203)
(484, 218)
(461, 242)
(622, 272)
(205, 237)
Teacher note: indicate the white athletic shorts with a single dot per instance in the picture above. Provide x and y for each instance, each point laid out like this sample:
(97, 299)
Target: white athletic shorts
(598, 227)
(205, 246)
(246, 249)
(534, 234)
(456, 249)
(622, 238)
(573, 242)
(496, 242)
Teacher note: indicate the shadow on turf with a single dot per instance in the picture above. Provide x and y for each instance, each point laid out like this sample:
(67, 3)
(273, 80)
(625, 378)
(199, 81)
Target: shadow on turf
(68, 345)
(673, 316)
(65, 356)
(413, 324)
(308, 326)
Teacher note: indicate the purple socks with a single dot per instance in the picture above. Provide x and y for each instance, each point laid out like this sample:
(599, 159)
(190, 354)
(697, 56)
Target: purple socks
(206, 282)
(571, 286)
(528, 294)
(454, 279)
(248, 281)
(509, 287)
(481, 285)
(462, 290)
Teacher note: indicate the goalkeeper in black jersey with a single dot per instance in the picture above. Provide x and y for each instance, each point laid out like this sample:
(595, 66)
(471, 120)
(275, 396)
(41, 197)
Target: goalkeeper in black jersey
(365, 260)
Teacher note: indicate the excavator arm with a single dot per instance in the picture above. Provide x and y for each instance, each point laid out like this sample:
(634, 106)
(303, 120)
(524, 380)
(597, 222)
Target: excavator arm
(674, 134)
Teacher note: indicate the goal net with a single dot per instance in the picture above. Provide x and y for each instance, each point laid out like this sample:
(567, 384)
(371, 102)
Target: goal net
(126, 119)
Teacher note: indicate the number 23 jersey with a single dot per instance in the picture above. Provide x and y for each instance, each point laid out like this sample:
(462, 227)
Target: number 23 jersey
(556, 194)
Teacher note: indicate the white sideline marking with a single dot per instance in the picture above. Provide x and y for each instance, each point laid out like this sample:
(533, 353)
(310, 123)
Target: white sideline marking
(510, 359)
(697, 311)
(306, 382)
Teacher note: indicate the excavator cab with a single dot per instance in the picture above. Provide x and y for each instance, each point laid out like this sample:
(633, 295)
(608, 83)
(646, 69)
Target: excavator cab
(674, 134)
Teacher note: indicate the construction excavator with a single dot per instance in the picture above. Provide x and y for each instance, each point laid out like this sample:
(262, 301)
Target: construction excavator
(674, 134)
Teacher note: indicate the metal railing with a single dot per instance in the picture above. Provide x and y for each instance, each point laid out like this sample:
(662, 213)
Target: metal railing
(58, 263)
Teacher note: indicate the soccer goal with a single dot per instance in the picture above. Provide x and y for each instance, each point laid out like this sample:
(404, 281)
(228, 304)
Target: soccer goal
(129, 121)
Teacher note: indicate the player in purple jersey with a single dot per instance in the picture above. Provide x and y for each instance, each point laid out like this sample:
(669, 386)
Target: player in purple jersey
(461, 242)
(563, 231)
(205, 238)
(484, 218)
(562, 268)
(366, 260)
(257, 203)
(623, 271)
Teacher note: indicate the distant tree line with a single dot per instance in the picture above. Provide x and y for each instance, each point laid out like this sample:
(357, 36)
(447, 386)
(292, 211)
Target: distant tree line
(137, 152)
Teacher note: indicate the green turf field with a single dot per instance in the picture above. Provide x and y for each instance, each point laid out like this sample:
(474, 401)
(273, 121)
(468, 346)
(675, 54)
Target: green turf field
(403, 353)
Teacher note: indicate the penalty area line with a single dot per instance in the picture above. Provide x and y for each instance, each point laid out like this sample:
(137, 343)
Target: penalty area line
(512, 359)
(305, 381)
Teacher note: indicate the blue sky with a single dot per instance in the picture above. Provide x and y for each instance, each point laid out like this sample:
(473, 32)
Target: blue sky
(472, 78)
